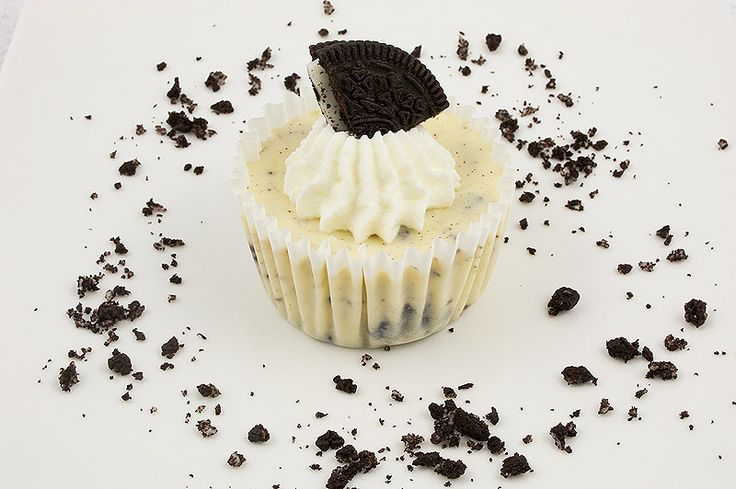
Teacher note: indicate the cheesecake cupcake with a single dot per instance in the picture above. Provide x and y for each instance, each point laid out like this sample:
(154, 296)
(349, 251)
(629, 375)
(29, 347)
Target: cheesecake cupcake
(372, 205)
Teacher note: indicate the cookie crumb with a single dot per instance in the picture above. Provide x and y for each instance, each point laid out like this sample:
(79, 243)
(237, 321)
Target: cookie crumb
(236, 459)
(345, 385)
(605, 406)
(205, 428)
(258, 434)
(68, 377)
(662, 370)
(695, 312)
(493, 41)
(516, 464)
(563, 299)
(578, 375)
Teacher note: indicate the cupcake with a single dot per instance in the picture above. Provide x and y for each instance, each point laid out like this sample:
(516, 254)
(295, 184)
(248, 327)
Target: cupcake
(372, 206)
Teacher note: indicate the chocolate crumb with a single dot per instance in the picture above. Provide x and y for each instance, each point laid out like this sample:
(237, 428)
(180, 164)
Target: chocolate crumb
(633, 413)
(462, 47)
(526, 197)
(175, 279)
(354, 463)
(449, 392)
(674, 344)
(622, 348)
(452, 469)
(330, 440)
(523, 224)
(527, 439)
(215, 80)
(496, 445)
(515, 464)
(522, 50)
(470, 425)
(563, 299)
(68, 377)
(624, 268)
(153, 208)
(493, 41)
(255, 84)
(323, 32)
(327, 7)
(684, 414)
(161, 66)
(291, 82)
(345, 385)
(260, 63)
(575, 205)
(464, 70)
(417, 51)
(605, 406)
(695, 312)
(258, 434)
(561, 432)
(236, 459)
(493, 416)
(565, 99)
(397, 396)
(129, 167)
(411, 442)
(198, 170)
(175, 91)
(170, 348)
(206, 429)
(119, 363)
(208, 390)
(647, 354)
(640, 393)
(578, 375)
(88, 283)
(722, 144)
(662, 370)
(647, 266)
(222, 107)
(677, 255)
(166, 366)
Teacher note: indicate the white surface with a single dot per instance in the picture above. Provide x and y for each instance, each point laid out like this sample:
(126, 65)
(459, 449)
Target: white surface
(505, 343)
(9, 12)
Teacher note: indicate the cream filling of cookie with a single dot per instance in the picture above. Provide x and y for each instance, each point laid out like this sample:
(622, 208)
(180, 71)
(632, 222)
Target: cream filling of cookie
(325, 95)
(478, 187)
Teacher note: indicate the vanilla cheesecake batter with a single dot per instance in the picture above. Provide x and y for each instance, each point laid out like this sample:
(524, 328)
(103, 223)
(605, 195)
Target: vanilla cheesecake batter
(479, 177)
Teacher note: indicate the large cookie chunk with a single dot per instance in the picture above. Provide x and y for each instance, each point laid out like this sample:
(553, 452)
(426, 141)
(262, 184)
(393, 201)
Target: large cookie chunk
(378, 87)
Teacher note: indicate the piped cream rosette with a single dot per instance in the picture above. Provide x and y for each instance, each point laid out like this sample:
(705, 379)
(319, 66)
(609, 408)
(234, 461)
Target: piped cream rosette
(371, 300)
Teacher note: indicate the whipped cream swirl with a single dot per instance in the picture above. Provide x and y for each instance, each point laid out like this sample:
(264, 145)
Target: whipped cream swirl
(369, 186)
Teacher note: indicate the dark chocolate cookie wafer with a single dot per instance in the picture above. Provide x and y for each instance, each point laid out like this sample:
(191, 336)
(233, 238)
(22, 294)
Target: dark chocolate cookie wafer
(379, 87)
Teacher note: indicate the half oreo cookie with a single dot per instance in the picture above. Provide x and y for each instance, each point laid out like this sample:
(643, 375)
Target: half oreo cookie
(368, 87)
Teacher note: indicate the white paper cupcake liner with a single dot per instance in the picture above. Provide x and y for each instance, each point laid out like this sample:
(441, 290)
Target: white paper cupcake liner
(368, 301)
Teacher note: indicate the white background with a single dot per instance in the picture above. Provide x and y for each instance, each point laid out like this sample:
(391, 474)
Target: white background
(78, 57)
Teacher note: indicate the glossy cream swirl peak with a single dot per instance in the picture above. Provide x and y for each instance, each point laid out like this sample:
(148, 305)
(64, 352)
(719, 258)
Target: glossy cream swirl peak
(369, 186)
